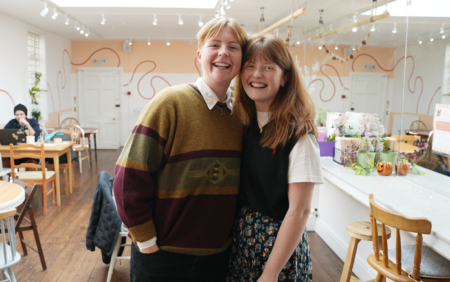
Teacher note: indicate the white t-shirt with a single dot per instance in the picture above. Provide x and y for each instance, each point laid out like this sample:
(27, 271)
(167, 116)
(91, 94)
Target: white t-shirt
(304, 159)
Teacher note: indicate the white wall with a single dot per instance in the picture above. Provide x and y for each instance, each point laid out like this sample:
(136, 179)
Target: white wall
(428, 64)
(14, 69)
(13, 66)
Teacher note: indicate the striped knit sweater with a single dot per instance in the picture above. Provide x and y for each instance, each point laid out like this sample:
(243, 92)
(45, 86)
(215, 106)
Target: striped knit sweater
(178, 175)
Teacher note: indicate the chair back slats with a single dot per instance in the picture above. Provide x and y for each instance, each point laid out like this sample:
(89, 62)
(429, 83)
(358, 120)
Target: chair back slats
(398, 252)
(29, 194)
(416, 225)
(384, 243)
(77, 133)
(29, 154)
(417, 256)
(376, 251)
(70, 121)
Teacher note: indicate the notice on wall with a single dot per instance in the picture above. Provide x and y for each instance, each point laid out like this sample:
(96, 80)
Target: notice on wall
(441, 130)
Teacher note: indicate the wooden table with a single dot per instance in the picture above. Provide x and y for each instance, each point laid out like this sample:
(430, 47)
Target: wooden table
(11, 195)
(407, 148)
(423, 134)
(51, 151)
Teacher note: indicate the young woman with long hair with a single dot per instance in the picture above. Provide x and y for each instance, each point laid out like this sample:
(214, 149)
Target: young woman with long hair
(280, 166)
(434, 162)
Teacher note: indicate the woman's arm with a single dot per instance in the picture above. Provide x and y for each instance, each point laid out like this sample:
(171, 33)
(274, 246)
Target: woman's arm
(291, 230)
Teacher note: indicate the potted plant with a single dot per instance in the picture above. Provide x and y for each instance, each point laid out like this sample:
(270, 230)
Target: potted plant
(34, 91)
(36, 114)
(372, 142)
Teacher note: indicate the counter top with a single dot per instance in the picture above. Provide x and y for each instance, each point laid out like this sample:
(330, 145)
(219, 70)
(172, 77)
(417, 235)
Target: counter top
(412, 195)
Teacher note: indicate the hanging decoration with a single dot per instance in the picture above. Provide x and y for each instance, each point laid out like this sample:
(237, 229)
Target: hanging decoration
(354, 50)
(262, 20)
(288, 36)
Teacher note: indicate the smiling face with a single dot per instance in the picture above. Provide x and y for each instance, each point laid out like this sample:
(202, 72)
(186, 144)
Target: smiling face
(220, 58)
(262, 80)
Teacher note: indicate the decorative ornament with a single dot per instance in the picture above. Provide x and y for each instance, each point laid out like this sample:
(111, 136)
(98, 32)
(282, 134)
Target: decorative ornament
(288, 37)
(355, 50)
(402, 168)
(262, 25)
(384, 168)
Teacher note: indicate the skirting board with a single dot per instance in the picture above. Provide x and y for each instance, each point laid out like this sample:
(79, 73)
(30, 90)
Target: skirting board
(360, 267)
(311, 223)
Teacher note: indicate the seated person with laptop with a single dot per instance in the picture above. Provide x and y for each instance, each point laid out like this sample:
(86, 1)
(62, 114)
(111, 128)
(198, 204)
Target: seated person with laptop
(30, 126)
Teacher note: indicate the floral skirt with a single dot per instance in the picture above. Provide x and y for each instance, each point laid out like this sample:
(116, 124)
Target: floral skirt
(253, 238)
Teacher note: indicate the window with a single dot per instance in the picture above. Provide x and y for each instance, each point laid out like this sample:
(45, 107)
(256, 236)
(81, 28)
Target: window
(33, 56)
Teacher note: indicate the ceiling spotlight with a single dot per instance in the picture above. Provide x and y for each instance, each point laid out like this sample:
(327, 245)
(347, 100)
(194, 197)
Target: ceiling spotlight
(45, 10)
(67, 20)
(217, 15)
(355, 29)
(103, 19)
(55, 14)
(335, 48)
(431, 39)
(320, 47)
(168, 43)
(129, 42)
(200, 23)
(148, 43)
(180, 20)
(443, 36)
(82, 29)
(222, 10)
(77, 26)
(373, 27)
(298, 42)
(442, 29)
(420, 41)
(155, 20)
(87, 32)
(227, 5)
(394, 30)
(353, 48)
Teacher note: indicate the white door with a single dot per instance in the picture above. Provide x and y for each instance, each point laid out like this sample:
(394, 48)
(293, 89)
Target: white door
(368, 93)
(99, 103)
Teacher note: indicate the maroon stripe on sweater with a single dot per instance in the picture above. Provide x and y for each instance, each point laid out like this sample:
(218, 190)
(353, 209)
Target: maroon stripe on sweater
(204, 154)
(202, 221)
(150, 133)
(133, 191)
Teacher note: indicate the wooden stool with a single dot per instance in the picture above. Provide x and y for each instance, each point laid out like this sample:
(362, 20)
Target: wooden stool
(358, 230)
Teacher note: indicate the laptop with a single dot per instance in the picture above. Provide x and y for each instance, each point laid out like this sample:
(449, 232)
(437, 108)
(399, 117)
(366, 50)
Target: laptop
(12, 136)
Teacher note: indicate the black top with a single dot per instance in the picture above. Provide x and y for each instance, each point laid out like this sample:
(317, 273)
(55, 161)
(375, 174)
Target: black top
(14, 124)
(264, 178)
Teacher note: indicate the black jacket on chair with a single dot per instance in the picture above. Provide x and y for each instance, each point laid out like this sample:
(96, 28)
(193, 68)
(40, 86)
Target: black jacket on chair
(104, 224)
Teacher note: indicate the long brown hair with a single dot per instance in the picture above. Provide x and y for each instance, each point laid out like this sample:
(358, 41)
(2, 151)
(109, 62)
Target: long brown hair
(430, 160)
(292, 106)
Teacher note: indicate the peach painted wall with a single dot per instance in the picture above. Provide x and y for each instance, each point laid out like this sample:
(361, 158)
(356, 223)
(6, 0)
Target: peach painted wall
(179, 57)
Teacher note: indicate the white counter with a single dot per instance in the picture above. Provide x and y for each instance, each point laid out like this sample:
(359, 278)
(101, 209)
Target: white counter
(344, 197)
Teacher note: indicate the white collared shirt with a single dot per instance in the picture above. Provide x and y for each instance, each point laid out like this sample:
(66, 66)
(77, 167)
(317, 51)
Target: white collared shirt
(210, 97)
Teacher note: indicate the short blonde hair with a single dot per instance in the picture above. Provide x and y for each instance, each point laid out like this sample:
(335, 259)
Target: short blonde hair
(212, 28)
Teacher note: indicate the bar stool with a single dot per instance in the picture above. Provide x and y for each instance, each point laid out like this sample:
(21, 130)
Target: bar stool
(358, 230)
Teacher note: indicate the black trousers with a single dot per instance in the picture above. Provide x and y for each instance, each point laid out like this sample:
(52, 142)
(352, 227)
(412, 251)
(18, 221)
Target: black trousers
(164, 266)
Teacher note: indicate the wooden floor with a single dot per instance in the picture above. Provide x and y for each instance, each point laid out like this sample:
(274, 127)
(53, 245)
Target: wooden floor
(63, 237)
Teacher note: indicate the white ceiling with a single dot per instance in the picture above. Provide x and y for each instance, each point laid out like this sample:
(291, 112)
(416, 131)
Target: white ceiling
(136, 23)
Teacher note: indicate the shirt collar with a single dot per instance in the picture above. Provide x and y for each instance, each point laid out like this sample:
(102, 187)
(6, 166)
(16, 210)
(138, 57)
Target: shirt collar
(210, 97)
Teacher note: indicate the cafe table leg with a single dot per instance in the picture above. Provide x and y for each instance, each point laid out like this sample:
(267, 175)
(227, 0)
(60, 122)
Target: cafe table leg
(95, 145)
(58, 187)
(69, 161)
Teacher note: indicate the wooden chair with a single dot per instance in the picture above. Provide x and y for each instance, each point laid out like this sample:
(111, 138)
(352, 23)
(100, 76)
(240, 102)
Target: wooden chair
(4, 172)
(64, 167)
(418, 125)
(8, 254)
(396, 137)
(79, 146)
(408, 139)
(70, 121)
(42, 177)
(358, 230)
(381, 263)
(26, 209)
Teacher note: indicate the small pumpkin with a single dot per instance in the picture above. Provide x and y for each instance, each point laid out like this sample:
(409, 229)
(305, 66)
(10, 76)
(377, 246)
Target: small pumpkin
(402, 168)
(384, 168)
